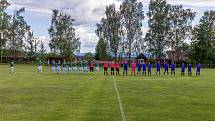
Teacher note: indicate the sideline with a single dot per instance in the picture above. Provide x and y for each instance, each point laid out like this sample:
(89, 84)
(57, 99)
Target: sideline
(119, 100)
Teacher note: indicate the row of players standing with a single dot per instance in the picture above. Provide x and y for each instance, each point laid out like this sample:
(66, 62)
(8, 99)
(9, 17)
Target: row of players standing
(62, 67)
(143, 68)
(73, 66)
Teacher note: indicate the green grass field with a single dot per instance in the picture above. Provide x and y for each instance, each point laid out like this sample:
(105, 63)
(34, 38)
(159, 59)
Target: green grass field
(27, 95)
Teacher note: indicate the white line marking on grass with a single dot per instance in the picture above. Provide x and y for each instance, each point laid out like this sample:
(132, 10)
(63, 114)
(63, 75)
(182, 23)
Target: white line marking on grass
(119, 100)
(159, 79)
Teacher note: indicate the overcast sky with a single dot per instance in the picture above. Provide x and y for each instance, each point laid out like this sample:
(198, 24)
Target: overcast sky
(86, 13)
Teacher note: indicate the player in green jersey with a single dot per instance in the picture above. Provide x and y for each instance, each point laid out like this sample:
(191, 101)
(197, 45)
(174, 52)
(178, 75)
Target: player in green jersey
(12, 66)
(40, 67)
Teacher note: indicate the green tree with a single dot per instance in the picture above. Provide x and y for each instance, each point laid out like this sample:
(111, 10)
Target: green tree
(113, 24)
(139, 43)
(102, 31)
(132, 15)
(101, 51)
(159, 26)
(42, 49)
(149, 41)
(180, 27)
(4, 23)
(203, 41)
(31, 44)
(18, 30)
(184, 47)
(110, 27)
(62, 34)
(89, 57)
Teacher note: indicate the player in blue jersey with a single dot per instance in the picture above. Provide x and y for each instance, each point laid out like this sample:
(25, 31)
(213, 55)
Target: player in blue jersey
(64, 66)
(158, 66)
(198, 69)
(125, 71)
(139, 66)
(183, 67)
(53, 66)
(190, 70)
(166, 68)
(144, 68)
(149, 69)
(70, 68)
(58, 67)
(173, 66)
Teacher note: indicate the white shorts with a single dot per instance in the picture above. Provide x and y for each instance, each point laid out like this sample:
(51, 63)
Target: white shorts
(97, 68)
(58, 68)
(40, 68)
(11, 67)
(64, 69)
(70, 69)
(53, 68)
(85, 69)
(81, 69)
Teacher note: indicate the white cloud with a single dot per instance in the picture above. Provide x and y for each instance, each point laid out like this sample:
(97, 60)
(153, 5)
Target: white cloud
(198, 3)
(45, 39)
(86, 13)
(87, 37)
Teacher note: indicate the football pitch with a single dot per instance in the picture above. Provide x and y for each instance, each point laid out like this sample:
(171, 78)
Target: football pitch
(27, 95)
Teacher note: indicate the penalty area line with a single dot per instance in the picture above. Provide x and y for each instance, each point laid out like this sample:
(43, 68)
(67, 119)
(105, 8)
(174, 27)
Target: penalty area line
(119, 101)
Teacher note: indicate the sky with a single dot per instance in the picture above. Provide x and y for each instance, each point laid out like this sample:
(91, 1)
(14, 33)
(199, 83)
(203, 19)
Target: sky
(86, 14)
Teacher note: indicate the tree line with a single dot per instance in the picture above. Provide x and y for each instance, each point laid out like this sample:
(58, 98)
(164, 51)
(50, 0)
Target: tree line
(170, 26)
(120, 33)
(17, 38)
